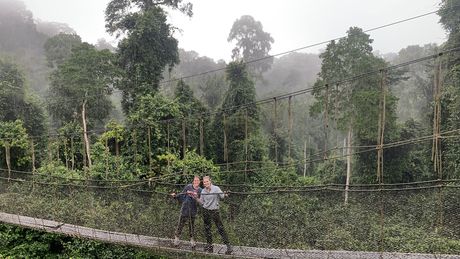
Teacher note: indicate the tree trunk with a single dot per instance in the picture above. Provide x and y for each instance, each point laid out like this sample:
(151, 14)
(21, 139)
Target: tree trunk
(66, 155)
(72, 153)
(117, 154)
(33, 155)
(107, 155)
(149, 133)
(85, 134)
(184, 139)
(117, 148)
(8, 160)
(347, 183)
(305, 158)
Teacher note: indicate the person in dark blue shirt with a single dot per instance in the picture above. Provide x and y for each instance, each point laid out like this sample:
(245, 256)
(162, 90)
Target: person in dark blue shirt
(188, 210)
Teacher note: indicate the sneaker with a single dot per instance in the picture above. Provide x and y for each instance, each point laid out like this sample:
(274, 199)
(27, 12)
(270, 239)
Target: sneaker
(176, 241)
(192, 242)
(229, 250)
(208, 249)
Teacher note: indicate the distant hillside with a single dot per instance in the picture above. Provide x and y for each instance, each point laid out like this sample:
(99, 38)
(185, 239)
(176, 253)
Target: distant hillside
(289, 73)
(22, 39)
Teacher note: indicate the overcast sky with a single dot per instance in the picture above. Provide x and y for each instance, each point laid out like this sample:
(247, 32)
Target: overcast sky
(292, 23)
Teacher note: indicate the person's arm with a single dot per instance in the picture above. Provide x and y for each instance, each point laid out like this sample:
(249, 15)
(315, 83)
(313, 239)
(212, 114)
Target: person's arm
(181, 196)
(199, 199)
(220, 193)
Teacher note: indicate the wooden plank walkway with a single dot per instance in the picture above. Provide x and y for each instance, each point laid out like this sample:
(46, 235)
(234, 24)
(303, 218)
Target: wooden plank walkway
(166, 244)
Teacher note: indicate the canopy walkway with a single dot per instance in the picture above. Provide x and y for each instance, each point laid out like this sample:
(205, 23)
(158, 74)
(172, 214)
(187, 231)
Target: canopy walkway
(405, 220)
(164, 243)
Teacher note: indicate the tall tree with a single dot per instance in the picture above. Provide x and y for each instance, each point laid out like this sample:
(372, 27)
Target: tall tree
(148, 46)
(59, 48)
(12, 135)
(236, 127)
(354, 104)
(80, 87)
(416, 93)
(210, 88)
(154, 128)
(252, 43)
(194, 118)
(16, 102)
(449, 17)
(20, 40)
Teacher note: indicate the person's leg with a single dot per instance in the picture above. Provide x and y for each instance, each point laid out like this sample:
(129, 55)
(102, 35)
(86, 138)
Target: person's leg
(220, 227)
(178, 232)
(221, 230)
(207, 229)
(192, 231)
(180, 226)
(191, 226)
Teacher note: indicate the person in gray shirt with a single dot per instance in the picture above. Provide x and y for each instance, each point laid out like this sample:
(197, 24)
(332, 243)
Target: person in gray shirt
(209, 199)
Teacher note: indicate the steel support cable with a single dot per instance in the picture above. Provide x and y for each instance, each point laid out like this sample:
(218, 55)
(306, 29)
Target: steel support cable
(292, 50)
(279, 97)
(337, 82)
(305, 47)
(370, 148)
(300, 162)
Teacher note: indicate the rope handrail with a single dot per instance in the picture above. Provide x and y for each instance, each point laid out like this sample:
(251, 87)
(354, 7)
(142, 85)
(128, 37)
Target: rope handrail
(276, 189)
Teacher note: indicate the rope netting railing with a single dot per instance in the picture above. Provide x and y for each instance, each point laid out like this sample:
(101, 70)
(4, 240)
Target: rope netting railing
(419, 217)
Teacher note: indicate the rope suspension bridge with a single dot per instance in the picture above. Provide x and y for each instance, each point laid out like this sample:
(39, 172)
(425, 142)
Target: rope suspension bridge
(264, 222)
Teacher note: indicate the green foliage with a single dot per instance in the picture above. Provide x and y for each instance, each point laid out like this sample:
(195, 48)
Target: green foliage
(16, 102)
(331, 171)
(210, 88)
(107, 166)
(416, 93)
(148, 48)
(213, 91)
(14, 135)
(450, 109)
(113, 136)
(20, 40)
(252, 43)
(119, 16)
(85, 77)
(193, 113)
(153, 111)
(241, 91)
(59, 48)
(183, 170)
(449, 13)
(241, 115)
(156, 114)
(23, 243)
(16, 242)
(356, 105)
